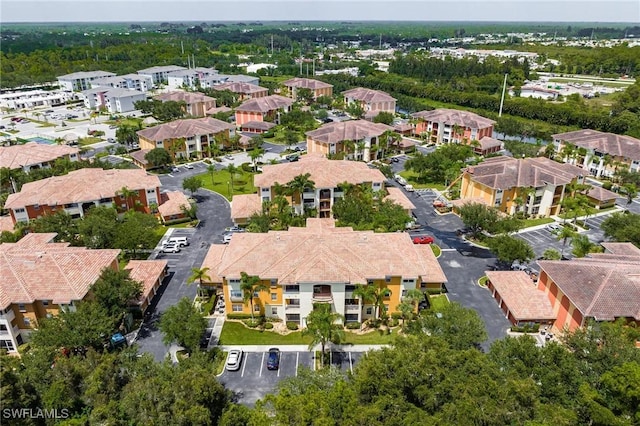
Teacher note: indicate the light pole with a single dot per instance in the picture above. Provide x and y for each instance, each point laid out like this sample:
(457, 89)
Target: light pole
(229, 188)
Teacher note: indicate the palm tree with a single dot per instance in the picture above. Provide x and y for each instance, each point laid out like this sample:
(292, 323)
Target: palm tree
(232, 169)
(564, 234)
(374, 294)
(255, 154)
(385, 140)
(211, 169)
(360, 146)
(409, 302)
(299, 184)
(349, 147)
(127, 194)
(199, 274)
(323, 326)
(250, 285)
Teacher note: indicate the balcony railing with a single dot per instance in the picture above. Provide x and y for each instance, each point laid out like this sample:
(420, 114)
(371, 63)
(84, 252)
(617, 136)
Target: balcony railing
(291, 307)
(352, 308)
(322, 297)
(235, 298)
(9, 316)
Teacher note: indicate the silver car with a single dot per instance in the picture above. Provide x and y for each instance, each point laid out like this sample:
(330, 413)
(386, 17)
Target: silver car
(234, 360)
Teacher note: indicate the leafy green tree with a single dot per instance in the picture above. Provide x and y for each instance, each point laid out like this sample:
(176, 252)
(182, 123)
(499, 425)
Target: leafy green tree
(583, 246)
(184, 324)
(509, 249)
(255, 154)
(115, 291)
(192, 184)
(304, 94)
(433, 167)
(233, 170)
(461, 327)
(129, 196)
(551, 254)
(250, 285)
(478, 217)
(384, 117)
(361, 210)
(127, 134)
(623, 227)
(59, 222)
(136, 231)
(375, 295)
(99, 227)
(355, 109)
(158, 157)
(324, 326)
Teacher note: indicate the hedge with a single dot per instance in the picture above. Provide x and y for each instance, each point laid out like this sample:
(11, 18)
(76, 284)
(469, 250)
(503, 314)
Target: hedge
(292, 325)
(352, 326)
(526, 328)
(268, 326)
(242, 316)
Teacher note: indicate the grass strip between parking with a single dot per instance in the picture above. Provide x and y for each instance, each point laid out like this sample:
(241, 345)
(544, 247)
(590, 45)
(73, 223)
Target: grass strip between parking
(438, 302)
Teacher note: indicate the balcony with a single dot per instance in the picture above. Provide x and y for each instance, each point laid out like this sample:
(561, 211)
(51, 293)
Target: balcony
(9, 316)
(236, 298)
(352, 309)
(322, 294)
(325, 205)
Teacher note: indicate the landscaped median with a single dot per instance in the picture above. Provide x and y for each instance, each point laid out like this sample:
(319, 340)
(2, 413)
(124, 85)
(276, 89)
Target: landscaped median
(221, 183)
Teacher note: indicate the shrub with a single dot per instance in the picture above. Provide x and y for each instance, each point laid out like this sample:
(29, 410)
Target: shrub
(394, 322)
(268, 326)
(247, 167)
(240, 316)
(273, 319)
(352, 326)
(526, 328)
(292, 325)
(607, 185)
(396, 315)
(374, 323)
(251, 324)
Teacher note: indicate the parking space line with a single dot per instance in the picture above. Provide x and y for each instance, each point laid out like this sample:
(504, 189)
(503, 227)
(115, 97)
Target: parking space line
(278, 374)
(261, 364)
(244, 364)
(350, 363)
(297, 359)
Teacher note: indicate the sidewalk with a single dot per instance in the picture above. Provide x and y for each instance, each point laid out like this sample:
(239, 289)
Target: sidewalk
(303, 348)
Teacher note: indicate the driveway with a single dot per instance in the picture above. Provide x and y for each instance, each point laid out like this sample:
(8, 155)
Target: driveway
(214, 213)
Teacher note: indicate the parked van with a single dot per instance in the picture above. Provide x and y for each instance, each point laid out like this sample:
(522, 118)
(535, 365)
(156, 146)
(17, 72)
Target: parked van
(402, 181)
(409, 188)
(180, 241)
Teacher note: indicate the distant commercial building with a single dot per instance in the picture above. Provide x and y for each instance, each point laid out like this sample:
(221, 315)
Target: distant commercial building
(113, 99)
(141, 83)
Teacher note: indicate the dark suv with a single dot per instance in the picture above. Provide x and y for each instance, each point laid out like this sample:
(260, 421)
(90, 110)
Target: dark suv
(273, 359)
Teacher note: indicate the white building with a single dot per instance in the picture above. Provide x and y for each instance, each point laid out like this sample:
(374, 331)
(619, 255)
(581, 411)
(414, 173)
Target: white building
(114, 100)
(141, 83)
(189, 78)
(79, 81)
(159, 75)
(34, 99)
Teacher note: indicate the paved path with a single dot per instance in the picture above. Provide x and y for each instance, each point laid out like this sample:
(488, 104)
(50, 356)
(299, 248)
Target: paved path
(303, 348)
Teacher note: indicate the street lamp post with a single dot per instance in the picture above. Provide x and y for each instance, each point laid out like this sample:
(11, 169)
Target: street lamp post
(229, 188)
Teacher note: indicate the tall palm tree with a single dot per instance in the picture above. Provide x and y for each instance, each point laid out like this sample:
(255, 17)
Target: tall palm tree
(232, 169)
(251, 284)
(211, 169)
(200, 275)
(255, 154)
(564, 234)
(374, 294)
(127, 194)
(323, 326)
(298, 185)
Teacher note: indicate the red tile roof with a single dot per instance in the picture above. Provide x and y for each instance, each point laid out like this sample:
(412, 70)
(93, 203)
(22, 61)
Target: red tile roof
(185, 129)
(368, 95)
(306, 83)
(601, 194)
(347, 130)
(175, 200)
(241, 87)
(606, 143)
(32, 153)
(265, 104)
(146, 272)
(244, 205)
(519, 293)
(455, 117)
(397, 196)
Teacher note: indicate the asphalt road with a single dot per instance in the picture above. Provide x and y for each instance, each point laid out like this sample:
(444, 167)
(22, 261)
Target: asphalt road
(214, 214)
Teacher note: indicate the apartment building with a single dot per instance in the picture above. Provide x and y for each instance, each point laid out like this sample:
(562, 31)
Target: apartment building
(141, 83)
(372, 101)
(320, 263)
(244, 90)
(33, 155)
(186, 138)
(354, 139)
(34, 98)
(267, 108)
(326, 175)
(598, 153)
(79, 190)
(318, 88)
(215, 79)
(445, 125)
(79, 81)
(40, 278)
(534, 186)
(113, 99)
(189, 78)
(160, 75)
(197, 104)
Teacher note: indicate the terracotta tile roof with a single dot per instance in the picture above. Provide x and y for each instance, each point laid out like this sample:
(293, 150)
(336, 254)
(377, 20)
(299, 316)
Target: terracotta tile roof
(306, 83)
(601, 194)
(406, 143)
(625, 249)
(455, 117)
(368, 95)
(402, 127)
(243, 206)
(347, 130)
(241, 87)
(185, 129)
(188, 97)
(213, 111)
(486, 143)
(36, 269)
(324, 173)
(81, 186)
(265, 104)
(31, 153)
(507, 172)
(6, 223)
(258, 125)
(522, 297)
(606, 143)
(603, 286)
(146, 272)
(473, 200)
(397, 196)
(321, 253)
(139, 156)
(174, 201)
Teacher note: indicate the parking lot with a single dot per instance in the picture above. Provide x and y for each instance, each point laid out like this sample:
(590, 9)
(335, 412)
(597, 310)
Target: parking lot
(253, 380)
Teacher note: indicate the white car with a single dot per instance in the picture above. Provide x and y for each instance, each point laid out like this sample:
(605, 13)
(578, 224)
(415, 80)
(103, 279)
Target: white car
(171, 248)
(554, 228)
(234, 360)
(188, 166)
(226, 238)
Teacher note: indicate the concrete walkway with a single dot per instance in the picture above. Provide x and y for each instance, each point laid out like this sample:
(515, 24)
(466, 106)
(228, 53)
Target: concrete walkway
(217, 330)
(303, 348)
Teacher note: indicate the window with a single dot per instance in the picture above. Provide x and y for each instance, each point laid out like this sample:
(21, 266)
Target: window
(256, 308)
(45, 303)
(3, 327)
(387, 279)
(19, 210)
(349, 287)
(27, 322)
(369, 310)
(234, 282)
(351, 302)
(370, 282)
(537, 199)
(236, 307)
(36, 206)
(236, 294)
(291, 288)
(6, 344)
(274, 283)
(256, 294)
(274, 296)
(408, 280)
(351, 318)
(274, 310)
(21, 307)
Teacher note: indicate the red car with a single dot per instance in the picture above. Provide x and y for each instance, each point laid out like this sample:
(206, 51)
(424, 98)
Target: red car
(425, 239)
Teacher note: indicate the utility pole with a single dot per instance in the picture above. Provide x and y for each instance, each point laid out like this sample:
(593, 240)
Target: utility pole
(504, 89)
(272, 44)
(182, 47)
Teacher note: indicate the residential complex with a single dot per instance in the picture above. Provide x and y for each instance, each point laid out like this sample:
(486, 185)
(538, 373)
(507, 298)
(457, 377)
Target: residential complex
(245, 90)
(600, 287)
(197, 104)
(34, 99)
(79, 81)
(160, 75)
(79, 190)
(326, 175)
(372, 101)
(318, 88)
(452, 126)
(320, 263)
(186, 138)
(112, 99)
(600, 154)
(356, 139)
(141, 83)
(40, 278)
(33, 155)
(535, 186)
(189, 78)
(267, 108)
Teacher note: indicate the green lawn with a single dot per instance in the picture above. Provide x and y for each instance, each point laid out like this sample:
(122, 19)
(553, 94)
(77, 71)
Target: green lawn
(436, 250)
(583, 212)
(131, 122)
(89, 140)
(235, 333)
(535, 222)
(438, 302)
(243, 183)
(483, 281)
(411, 176)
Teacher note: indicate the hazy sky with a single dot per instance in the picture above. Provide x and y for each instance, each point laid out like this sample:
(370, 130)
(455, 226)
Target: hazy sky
(318, 10)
